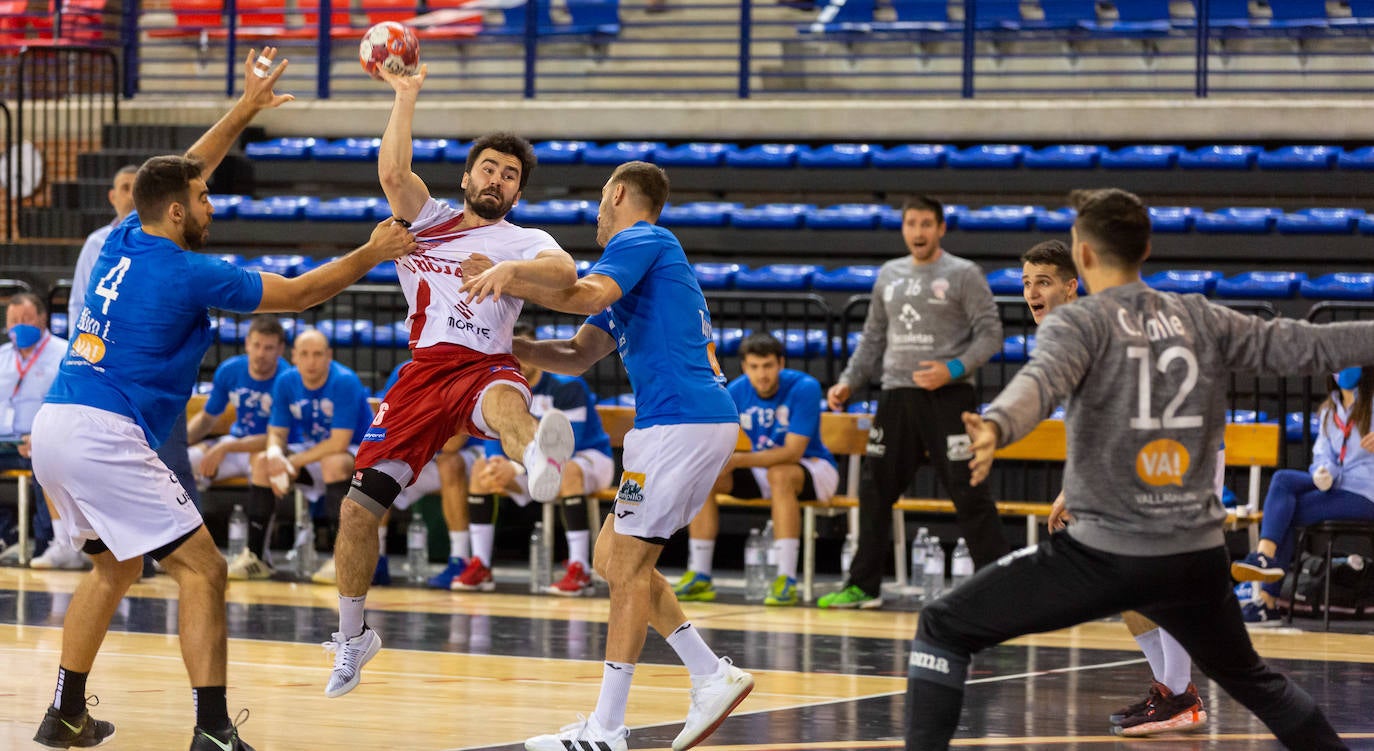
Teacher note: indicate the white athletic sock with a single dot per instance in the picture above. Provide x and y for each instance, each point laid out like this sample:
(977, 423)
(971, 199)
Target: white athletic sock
(351, 615)
(1178, 666)
(693, 651)
(1154, 653)
(59, 534)
(787, 550)
(460, 545)
(483, 538)
(579, 545)
(615, 694)
(381, 542)
(700, 554)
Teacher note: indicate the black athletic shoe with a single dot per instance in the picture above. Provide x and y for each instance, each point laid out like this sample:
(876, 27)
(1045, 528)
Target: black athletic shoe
(223, 740)
(1167, 714)
(82, 731)
(1156, 691)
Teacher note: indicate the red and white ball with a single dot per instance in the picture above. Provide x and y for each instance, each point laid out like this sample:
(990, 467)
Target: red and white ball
(392, 46)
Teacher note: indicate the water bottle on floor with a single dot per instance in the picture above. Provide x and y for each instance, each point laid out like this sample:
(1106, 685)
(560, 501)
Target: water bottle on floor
(304, 550)
(417, 549)
(933, 583)
(847, 551)
(770, 553)
(238, 532)
(755, 567)
(919, 544)
(961, 566)
(539, 561)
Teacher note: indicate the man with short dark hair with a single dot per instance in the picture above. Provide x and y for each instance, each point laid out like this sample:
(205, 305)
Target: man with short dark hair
(1048, 278)
(1145, 371)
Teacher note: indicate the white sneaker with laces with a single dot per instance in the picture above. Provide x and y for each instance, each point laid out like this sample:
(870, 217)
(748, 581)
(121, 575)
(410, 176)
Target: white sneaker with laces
(714, 697)
(59, 557)
(350, 655)
(545, 456)
(585, 735)
(248, 566)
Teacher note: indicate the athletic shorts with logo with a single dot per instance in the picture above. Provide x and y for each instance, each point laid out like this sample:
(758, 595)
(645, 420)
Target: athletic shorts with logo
(669, 470)
(822, 479)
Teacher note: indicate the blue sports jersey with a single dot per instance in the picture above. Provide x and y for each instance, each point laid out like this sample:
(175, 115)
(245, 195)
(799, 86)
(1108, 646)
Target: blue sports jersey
(252, 399)
(662, 329)
(340, 403)
(137, 345)
(794, 408)
(571, 396)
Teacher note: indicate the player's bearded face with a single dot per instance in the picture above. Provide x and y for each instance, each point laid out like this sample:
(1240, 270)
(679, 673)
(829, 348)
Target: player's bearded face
(487, 201)
(194, 233)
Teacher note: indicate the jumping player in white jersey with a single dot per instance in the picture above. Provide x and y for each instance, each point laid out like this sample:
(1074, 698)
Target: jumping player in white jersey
(463, 378)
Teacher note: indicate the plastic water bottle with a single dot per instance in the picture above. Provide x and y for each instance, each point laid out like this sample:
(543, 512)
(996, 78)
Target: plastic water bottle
(770, 553)
(851, 546)
(933, 582)
(304, 550)
(238, 532)
(755, 567)
(961, 566)
(539, 561)
(417, 549)
(918, 561)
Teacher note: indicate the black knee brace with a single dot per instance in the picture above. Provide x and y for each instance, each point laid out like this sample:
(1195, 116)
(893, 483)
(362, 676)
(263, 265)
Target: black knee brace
(374, 491)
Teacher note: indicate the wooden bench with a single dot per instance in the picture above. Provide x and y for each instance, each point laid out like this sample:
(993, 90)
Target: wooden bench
(24, 478)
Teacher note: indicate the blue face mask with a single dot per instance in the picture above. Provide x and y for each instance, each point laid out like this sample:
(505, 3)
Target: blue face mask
(24, 336)
(1349, 378)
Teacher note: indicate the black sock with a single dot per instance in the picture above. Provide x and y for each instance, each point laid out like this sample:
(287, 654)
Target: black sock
(212, 710)
(70, 697)
(934, 696)
(575, 513)
(261, 503)
(481, 509)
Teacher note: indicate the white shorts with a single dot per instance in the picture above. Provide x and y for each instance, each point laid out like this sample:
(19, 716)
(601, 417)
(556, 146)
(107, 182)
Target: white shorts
(669, 470)
(234, 463)
(315, 489)
(598, 470)
(824, 476)
(428, 481)
(107, 483)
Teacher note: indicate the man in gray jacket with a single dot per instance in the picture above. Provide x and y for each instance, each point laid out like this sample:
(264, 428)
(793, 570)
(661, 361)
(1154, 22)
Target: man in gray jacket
(1144, 377)
(931, 324)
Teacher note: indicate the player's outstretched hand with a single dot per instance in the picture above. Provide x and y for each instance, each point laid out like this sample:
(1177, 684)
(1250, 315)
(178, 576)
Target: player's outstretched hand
(390, 240)
(260, 76)
(837, 396)
(1059, 515)
(983, 436)
(405, 84)
(490, 283)
(475, 265)
(932, 375)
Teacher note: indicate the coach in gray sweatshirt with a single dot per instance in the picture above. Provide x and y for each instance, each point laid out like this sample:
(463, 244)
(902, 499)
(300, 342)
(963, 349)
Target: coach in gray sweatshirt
(931, 323)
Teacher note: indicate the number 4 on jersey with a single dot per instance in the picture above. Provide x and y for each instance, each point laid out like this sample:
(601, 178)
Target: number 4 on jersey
(108, 287)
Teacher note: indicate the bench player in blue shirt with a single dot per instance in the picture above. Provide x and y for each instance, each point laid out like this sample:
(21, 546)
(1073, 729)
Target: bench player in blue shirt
(644, 301)
(128, 373)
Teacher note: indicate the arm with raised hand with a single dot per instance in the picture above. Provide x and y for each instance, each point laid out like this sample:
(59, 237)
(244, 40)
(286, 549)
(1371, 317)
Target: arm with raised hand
(388, 242)
(257, 96)
(405, 191)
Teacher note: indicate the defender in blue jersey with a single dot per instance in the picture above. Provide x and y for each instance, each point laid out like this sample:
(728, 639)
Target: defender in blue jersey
(644, 301)
(592, 468)
(780, 411)
(128, 373)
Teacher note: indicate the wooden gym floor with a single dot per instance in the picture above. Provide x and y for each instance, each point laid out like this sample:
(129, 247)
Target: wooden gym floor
(468, 671)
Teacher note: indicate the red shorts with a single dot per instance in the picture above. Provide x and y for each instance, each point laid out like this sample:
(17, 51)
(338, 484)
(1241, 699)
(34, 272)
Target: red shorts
(436, 397)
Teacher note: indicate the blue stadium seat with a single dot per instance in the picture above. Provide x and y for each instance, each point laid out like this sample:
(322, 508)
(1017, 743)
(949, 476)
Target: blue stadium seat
(692, 155)
(789, 277)
(1339, 286)
(1233, 15)
(842, 17)
(57, 324)
(836, 156)
(766, 155)
(1013, 350)
(771, 216)
(850, 343)
(866, 407)
(394, 335)
(1298, 15)
(226, 206)
(1292, 425)
(716, 275)
(339, 333)
(1065, 14)
(623, 400)
(560, 152)
(278, 208)
(998, 15)
(1056, 220)
(1155, 156)
(998, 218)
(1356, 159)
(226, 330)
(290, 326)
(1064, 156)
(986, 156)
(286, 265)
(1246, 416)
(1238, 220)
(910, 156)
(621, 152)
(1319, 221)
(382, 273)
(1173, 218)
(891, 218)
(1184, 282)
(1219, 157)
(845, 279)
(1299, 158)
(1260, 284)
(346, 150)
(1136, 19)
(343, 210)
(280, 148)
(1366, 225)
(556, 331)
(728, 340)
(800, 343)
(427, 149)
(1006, 281)
(457, 151)
(559, 211)
(699, 214)
(845, 216)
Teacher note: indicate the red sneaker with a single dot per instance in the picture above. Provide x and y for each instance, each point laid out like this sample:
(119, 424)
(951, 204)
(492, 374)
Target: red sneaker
(475, 578)
(575, 583)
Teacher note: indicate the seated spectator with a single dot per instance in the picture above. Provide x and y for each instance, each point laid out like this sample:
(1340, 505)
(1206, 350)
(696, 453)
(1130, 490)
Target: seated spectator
(1338, 486)
(591, 468)
(780, 411)
(246, 382)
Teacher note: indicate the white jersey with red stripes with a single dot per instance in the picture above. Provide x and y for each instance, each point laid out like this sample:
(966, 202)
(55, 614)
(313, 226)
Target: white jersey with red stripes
(431, 279)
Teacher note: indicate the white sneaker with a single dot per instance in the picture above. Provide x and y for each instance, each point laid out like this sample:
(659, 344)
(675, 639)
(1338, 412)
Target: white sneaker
(60, 557)
(586, 734)
(325, 574)
(713, 698)
(545, 456)
(248, 566)
(350, 655)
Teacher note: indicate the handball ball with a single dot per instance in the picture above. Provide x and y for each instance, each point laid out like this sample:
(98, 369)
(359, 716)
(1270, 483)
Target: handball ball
(392, 46)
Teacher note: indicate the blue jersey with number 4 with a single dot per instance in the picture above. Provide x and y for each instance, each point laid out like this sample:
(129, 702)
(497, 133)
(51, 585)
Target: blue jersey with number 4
(794, 408)
(662, 329)
(137, 345)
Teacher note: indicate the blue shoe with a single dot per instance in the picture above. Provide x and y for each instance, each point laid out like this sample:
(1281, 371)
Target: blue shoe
(444, 579)
(382, 576)
(695, 587)
(1255, 613)
(1256, 568)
